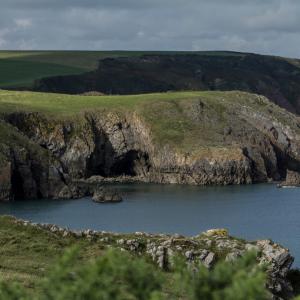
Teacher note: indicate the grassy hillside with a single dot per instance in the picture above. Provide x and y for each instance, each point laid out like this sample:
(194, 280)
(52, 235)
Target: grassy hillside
(185, 120)
(19, 69)
(29, 253)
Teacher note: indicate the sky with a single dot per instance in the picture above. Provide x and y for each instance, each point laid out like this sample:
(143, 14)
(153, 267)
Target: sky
(260, 26)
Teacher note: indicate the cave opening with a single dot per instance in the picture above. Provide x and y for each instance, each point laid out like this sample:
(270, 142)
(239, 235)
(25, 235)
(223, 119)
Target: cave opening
(133, 163)
(285, 162)
(17, 186)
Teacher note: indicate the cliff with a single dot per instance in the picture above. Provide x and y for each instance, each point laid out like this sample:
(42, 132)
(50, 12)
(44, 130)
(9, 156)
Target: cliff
(274, 77)
(52, 144)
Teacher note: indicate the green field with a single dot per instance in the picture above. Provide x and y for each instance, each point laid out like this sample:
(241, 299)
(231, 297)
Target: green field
(19, 69)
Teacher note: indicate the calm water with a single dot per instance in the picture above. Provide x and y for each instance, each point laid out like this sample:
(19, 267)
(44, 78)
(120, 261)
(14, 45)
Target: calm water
(251, 212)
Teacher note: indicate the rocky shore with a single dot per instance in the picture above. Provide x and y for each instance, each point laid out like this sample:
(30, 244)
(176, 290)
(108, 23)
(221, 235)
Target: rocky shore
(206, 248)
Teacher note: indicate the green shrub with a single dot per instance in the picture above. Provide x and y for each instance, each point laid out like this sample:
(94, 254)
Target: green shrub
(120, 276)
(113, 276)
(12, 291)
(239, 280)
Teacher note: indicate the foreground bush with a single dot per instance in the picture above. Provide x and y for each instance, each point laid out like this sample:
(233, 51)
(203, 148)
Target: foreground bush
(241, 280)
(119, 276)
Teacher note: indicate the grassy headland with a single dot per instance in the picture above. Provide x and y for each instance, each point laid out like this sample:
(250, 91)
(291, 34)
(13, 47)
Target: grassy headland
(186, 120)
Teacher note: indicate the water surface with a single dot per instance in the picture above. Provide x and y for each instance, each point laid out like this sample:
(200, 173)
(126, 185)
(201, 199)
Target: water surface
(251, 212)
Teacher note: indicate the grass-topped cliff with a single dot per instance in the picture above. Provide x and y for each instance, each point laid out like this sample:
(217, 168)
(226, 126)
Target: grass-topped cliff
(187, 120)
(50, 140)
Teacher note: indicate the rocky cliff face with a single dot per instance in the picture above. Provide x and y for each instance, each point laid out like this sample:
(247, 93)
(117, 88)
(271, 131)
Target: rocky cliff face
(27, 171)
(112, 145)
(251, 145)
(274, 77)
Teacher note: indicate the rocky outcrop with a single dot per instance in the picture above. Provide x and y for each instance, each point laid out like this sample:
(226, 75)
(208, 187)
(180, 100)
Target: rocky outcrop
(279, 262)
(274, 77)
(105, 195)
(207, 248)
(292, 179)
(27, 171)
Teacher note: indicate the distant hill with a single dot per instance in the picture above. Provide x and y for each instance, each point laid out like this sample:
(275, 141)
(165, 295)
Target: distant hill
(274, 77)
(19, 69)
(131, 72)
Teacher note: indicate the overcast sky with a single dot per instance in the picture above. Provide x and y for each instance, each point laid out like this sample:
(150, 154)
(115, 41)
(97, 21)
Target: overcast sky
(262, 26)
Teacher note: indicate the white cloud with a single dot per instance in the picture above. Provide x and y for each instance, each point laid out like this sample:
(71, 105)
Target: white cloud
(23, 23)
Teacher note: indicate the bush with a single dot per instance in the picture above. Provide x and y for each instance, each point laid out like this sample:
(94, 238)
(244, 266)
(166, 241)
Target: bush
(240, 280)
(119, 276)
(113, 276)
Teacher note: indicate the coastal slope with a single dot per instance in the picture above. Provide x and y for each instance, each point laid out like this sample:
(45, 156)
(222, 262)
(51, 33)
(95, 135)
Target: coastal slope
(29, 251)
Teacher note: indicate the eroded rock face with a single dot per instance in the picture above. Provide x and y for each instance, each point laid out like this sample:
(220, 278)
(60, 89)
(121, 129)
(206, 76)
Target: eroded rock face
(27, 171)
(105, 146)
(279, 262)
(35, 177)
(292, 179)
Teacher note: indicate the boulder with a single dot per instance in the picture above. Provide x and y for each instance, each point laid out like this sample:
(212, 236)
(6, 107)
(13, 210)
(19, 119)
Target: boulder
(103, 195)
(216, 232)
(65, 193)
(209, 260)
(95, 179)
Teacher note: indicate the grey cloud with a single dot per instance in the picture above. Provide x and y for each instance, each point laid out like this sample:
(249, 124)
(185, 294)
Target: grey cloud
(269, 26)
